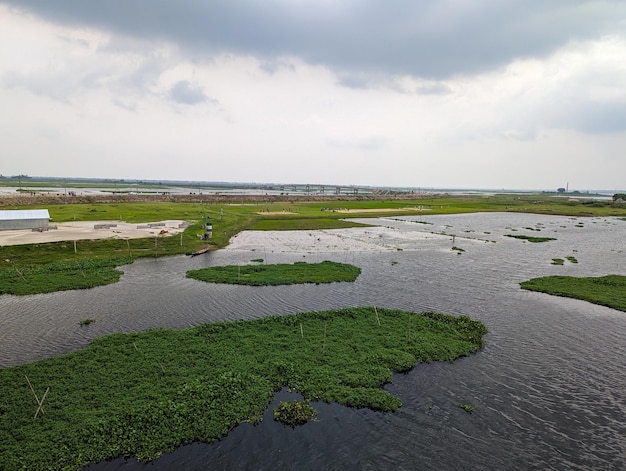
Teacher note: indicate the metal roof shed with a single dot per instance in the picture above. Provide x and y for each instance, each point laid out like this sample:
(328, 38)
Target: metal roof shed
(11, 220)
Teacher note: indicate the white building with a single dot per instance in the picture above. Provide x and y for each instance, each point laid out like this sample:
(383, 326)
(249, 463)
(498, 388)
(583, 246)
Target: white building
(24, 219)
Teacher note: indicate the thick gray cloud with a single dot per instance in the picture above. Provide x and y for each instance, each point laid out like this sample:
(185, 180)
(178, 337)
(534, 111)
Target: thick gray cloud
(188, 94)
(509, 93)
(427, 38)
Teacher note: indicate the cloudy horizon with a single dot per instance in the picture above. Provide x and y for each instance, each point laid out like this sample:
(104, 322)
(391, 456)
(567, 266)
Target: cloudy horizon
(432, 94)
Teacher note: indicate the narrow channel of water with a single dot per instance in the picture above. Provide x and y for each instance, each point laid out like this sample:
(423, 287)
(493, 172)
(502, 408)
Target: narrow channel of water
(549, 388)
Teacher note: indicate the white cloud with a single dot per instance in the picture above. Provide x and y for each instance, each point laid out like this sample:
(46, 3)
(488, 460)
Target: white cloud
(85, 102)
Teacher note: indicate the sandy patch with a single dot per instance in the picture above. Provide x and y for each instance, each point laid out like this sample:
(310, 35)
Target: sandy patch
(86, 230)
(371, 239)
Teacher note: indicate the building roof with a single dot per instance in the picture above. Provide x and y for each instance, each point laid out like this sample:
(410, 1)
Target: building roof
(20, 214)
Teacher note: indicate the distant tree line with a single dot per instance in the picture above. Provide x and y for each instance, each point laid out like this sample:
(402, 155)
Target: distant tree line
(15, 177)
(619, 196)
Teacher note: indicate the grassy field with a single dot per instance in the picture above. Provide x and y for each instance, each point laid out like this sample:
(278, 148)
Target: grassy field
(230, 219)
(278, 274)
(59, 276)
(607, 290)
(143, 394)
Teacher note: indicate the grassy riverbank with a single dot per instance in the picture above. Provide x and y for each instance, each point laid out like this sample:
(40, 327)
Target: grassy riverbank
(607, 290)
(278, 274)
(59, 276)
(146, 393)
(229, 218)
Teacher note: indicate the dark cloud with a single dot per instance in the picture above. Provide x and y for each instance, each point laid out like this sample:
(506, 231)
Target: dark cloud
(427, 38)
(187, 94)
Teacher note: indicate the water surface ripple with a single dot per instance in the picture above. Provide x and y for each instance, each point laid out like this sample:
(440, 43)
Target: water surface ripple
(549, 388)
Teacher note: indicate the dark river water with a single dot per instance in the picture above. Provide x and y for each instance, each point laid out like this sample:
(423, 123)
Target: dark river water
(549, 387)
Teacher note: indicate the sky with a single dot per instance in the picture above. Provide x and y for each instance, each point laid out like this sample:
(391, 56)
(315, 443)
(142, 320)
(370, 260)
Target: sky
(511, 94)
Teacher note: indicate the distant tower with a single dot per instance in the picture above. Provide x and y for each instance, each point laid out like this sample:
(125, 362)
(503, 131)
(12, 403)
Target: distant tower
(567, 188)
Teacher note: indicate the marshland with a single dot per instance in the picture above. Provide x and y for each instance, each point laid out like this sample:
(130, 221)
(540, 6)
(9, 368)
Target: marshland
(547, 387)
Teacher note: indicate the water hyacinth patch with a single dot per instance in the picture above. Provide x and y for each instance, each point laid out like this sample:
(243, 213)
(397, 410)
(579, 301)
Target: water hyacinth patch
(143, 394)
(278, 274)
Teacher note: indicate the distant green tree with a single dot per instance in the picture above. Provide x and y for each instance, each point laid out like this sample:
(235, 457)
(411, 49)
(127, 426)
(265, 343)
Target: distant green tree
(618, 196)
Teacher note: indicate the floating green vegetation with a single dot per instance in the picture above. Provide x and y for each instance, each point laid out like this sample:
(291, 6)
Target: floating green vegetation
(469, 408)
(572, 259)
(86, 321)
(257, 260)
(279, 274)
(59, 276)
(529, 238)
(558, 261)
(607, 290)
(458, 249)
(294, 413)
(143, 394)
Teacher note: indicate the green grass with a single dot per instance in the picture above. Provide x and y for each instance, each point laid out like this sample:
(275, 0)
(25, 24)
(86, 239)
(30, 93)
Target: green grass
(229, 219)
(278, 274)
(143, 394)
(293, 413)
(607, 290)
(59, 276)
(530, 238)
(302, 224)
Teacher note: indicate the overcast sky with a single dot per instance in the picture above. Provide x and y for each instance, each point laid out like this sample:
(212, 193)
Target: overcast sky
(526, 94)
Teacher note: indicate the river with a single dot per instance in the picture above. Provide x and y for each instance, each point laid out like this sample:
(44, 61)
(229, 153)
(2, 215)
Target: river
(549, 387)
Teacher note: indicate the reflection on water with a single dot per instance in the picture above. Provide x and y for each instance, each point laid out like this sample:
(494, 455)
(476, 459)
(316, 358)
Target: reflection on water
(549, 387)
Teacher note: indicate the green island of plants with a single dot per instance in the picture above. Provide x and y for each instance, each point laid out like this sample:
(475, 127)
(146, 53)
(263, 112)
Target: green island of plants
(609, 290)
(530, 238)
(59, 276)
(277, 274)
(469, 408)
(144, 394)
(293, 413)
(230, 218)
